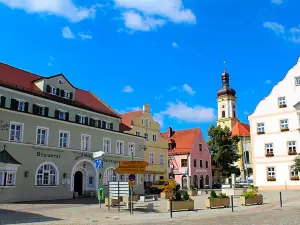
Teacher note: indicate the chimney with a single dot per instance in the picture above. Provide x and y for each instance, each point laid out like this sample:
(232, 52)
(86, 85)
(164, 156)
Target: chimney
(170, 132)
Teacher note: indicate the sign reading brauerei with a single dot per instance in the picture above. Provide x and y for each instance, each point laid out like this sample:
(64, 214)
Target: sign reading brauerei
(84, 155)
(48, 155)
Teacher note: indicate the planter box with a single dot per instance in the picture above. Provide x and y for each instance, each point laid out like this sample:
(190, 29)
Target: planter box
(234, 191)
(181, 205)
(135, 198)
(192, 192)
(166, 195)
(216, 203)
(254, 190)
(112, 201)
(252, 201)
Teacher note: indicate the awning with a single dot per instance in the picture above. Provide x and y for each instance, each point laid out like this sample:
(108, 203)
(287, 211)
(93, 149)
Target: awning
(6, 158)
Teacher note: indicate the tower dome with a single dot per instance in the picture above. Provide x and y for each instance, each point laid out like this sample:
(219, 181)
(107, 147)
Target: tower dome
(226, 89)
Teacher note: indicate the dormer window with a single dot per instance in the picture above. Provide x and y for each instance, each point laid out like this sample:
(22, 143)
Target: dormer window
(52, 90)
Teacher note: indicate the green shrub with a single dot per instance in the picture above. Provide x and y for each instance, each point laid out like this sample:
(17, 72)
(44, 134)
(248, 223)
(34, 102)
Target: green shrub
(213, 194)
(177, 196)
(193, 187)
(252, 187)
(249, 195)
(186, 196)
(221, 195)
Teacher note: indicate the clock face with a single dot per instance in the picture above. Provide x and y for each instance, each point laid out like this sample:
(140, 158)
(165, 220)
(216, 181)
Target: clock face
(60, 81)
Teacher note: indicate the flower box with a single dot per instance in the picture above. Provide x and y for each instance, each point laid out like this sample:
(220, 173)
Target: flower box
(181, 205)
(284, 129)
(271, 179)
(258, 199)
(192, 192)
(166, 195)
(217, 202)
(135, 198)
(282, 106)
(294, 178)
(254, 190)
(112, 201)
(260, 132)
(269, 154)
(292, 153)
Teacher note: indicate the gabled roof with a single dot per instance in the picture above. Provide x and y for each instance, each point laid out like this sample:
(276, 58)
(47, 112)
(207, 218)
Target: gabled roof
(126, 118)
(6, 158)
(21, 80)
(240, 129)
(184, 140)
(57, 75)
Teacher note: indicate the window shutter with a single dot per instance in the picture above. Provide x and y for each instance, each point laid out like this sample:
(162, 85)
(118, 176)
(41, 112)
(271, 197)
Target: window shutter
(67, 116)
(26, 107)
(99, 123)
(62, 93)
(13, 104)
(91, 121)
(57, 91)
(103, 124)
(46, 112)
(71, 95)
(111, 126)
(3, 98)
(77, 118)
(48, 88)
(56, 114)
(86, 121)
(34, 109)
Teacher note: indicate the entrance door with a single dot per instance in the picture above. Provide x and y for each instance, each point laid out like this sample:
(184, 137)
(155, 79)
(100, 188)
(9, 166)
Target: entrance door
(201, 182)
(78, 181)
(184, 182)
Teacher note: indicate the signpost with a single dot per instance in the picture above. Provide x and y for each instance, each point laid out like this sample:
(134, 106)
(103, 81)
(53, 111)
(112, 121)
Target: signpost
(117, 189)
(98, 163)
(133, 164)
(121, 170)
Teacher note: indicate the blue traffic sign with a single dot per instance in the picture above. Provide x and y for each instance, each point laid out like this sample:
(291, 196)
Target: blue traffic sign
(131, 177)
(98, 163)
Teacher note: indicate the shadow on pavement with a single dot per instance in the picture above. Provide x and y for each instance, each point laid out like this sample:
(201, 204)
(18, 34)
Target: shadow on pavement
(17, 217)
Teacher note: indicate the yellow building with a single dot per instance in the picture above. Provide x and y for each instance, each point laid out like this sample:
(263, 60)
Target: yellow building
(141, 123)
(227, 117)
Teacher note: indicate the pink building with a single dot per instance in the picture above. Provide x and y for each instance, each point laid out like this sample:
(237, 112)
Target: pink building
(189, 158)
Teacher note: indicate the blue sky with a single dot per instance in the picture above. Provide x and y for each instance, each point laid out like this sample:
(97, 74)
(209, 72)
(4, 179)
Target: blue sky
(168, 53)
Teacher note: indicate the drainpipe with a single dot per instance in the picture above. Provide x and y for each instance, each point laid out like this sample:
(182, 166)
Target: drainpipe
(188, 171)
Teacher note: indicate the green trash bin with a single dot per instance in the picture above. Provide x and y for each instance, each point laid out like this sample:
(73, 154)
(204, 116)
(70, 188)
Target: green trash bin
(101, 194)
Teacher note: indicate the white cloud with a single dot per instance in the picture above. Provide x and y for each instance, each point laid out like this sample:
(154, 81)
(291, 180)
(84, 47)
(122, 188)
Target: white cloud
(129, 109)
(275, 27)
(49, 64)
(62, 8)
(187, 113)
(51, 59)
(159, 118)
(187, 88)
(127, 89)
(136, 21)
(268, 82)
(277, 2)
(292, 34)
(85, 36)
(175, 45)
(159, 97)
(67, 33)
(147, 15)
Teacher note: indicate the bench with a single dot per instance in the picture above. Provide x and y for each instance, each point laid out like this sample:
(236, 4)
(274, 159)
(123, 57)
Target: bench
(143, 198)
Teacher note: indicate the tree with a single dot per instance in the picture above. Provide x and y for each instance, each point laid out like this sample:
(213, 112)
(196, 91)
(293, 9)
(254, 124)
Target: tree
(297, 165)
(223, 148)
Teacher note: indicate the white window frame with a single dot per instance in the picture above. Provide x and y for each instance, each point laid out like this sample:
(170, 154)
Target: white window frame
(271, 172)
(43, 109)
(131, 148)
(269, 147)
(82, 119)
(56, 175)
(19, 105)
(120, 148)
(260, 127)
(108, 148)
(154, 137)
(21, 131)
(151, 158)
(292, 146)
(107, 125)
(161, 160)
(46, 135)
(284, 124)
(7, 183)
(292, 171)
(110, 175)
(53, 90)
(281, 101)
(297, 81)
(86, 144)
(66, 94)
(68, 138)
(62, 111)
(146, 135)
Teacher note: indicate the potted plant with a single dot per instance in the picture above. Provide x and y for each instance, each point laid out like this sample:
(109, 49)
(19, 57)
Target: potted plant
(181, 203)
(192, 191)
(112, 201)
(260, 132)
(292, 153)
(285, 129)
(271, 179)
(166, 193)
(295, 178)
(215, 201)
(282, 106)
(252, 188)
(251, 198)
(269, 154)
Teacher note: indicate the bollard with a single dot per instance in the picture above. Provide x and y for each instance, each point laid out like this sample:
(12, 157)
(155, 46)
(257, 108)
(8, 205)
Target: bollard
(280, 199)
(231, 203)
(171, 209)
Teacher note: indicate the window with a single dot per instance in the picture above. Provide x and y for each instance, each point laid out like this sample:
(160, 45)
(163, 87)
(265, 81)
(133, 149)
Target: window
(271, 172)
(137, 133)
(108, 125)
(16, 132)
(40, 110)
(183, 162)
(247, 157)
(195, 163)
(223, 114)
(107, 145)
(21, 105)
(146, 137)
(47, 175)
(292, 171)
(7, 178)
(281, 101)
(151, 158)
(146, 122)
(206, 164)
(284, 124)
(200, 147)
(142, 120)
(131, 148)
(201, 164)
(260, 128)
(42, 136)
(85, 142)
(110, 175)
(161, 160)
(52, 90)
(120, 147)
(64, 139)
(154, 137)
(269, 148)
(292, 146)
(62, 115)
(82, 119)
(297, 81)
(66, 94)
(234, 114)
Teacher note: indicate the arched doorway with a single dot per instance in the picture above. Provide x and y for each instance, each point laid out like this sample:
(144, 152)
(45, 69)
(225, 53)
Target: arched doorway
(207, 181)
(195, 181)
(201, 182)
(78, 182)
(184, 182)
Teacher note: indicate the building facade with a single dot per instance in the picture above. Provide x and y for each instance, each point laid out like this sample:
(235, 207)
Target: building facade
(227, 117)
(141, 123)
(275, 126)
(49, 131)
(189, 158)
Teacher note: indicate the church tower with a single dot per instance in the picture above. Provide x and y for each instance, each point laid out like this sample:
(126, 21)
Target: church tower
(226, 98)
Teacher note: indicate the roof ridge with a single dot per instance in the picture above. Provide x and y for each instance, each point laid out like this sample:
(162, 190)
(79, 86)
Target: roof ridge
(21, 69)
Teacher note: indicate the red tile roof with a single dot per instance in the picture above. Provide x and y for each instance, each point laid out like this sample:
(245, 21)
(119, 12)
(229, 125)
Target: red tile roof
(126, 118)
(241, 129)
(23, 80)
(184, 140)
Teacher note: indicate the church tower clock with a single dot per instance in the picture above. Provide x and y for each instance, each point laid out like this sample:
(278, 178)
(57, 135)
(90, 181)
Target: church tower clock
(226, 99)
